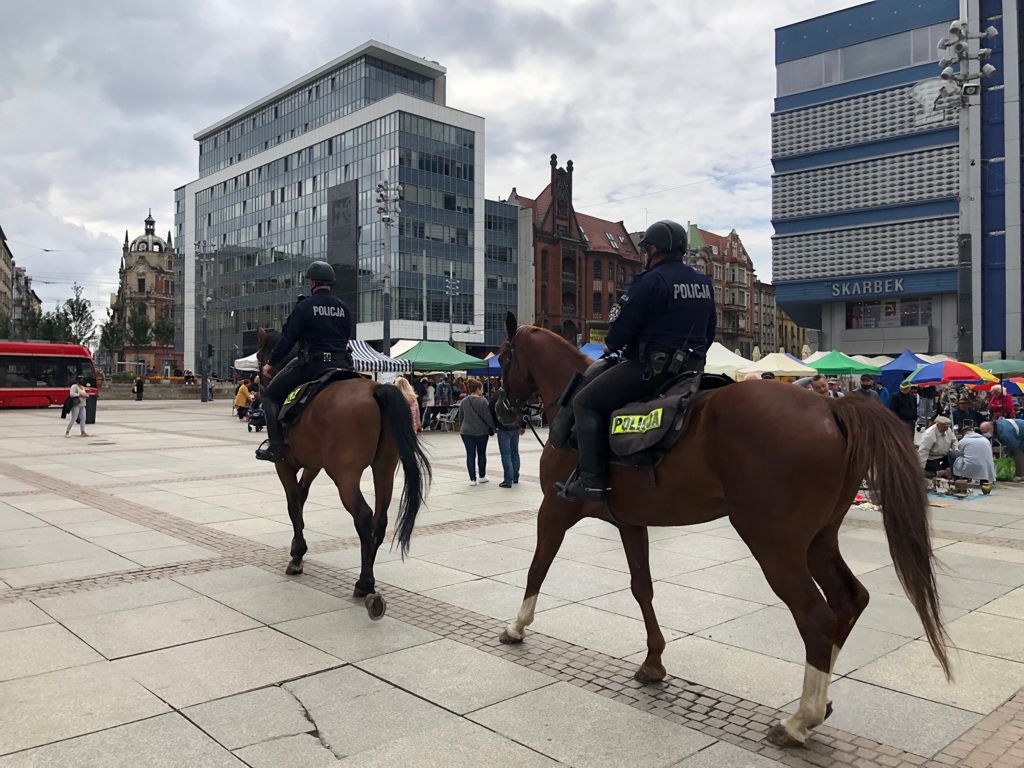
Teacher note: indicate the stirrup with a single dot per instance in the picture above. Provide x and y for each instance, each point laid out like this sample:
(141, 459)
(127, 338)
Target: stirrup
(269, 452)
(592, 488)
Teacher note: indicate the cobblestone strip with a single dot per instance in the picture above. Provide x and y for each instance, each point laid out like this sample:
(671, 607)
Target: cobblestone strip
(716, 714)
(995, 742)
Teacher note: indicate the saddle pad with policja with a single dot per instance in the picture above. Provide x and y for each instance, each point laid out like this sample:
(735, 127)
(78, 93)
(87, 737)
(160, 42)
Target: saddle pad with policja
(300, 397)
(641, 433)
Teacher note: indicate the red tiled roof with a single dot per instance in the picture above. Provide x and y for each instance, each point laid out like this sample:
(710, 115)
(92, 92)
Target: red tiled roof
(597, 232)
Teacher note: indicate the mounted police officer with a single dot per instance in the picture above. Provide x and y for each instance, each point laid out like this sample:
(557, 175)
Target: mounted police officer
(663, 325)
(321, 325)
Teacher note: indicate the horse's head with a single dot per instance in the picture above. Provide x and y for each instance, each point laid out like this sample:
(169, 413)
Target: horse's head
(517, 385)
(266, 340)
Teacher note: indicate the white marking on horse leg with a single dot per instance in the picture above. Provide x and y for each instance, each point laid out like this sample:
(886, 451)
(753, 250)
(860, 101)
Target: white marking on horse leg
(811, 711)
(523, 619)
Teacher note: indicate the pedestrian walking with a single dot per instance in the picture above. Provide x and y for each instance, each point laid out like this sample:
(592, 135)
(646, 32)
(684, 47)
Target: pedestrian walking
(78, 394)
(508, 447)
(140, 385)
(904, 405)
(410, 397)
(242, 400)
(867, 388)
(477, 427)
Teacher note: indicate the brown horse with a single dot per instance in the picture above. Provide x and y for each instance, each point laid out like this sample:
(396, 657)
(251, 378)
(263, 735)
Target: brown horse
(811, 451)
(351, 425)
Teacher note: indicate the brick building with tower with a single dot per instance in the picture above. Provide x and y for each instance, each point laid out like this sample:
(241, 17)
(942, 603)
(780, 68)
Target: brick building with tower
(582, 263)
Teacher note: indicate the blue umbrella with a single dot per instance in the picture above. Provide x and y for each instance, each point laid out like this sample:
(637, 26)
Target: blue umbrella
(493, 368)
(893, 373)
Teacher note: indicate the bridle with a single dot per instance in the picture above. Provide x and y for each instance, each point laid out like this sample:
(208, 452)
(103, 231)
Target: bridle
(516, 409)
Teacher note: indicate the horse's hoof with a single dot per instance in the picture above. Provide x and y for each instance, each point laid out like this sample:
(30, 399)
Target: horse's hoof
(828, 710)
(361, 593)
(376, 605)
(642, 676)
(293, 569)
(507, 639)
(780, 737)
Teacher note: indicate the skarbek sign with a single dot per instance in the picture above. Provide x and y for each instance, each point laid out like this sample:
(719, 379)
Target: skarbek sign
(867, 287)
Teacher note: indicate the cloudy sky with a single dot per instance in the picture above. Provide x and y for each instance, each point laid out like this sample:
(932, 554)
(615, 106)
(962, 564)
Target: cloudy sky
(663, 106)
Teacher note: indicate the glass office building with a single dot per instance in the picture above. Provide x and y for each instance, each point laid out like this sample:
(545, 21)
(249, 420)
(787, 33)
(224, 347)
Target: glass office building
(866, 190)
(292, 178)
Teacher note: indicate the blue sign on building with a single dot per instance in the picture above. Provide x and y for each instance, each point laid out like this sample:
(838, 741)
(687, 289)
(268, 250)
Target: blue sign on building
(853, 288)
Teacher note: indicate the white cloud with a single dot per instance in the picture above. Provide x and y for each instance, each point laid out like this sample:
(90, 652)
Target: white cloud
(643, 96)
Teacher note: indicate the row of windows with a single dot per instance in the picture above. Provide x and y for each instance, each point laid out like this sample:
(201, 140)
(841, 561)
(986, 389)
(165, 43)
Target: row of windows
(873, 57)
(437, 198)
(891, 313)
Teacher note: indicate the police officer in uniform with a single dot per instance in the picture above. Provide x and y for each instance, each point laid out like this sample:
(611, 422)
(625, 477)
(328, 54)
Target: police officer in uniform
(321, 324)
(663, 325)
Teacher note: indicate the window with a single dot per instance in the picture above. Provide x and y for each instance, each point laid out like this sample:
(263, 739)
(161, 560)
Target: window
(142, 285)
(544, 299)
(872, 57)
(611, 240)
(889, 313)
(597, 303)
(597, 269)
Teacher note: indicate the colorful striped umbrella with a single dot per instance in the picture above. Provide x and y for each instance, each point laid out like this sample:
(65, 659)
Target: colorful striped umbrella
(1014, 386)
(949, 372)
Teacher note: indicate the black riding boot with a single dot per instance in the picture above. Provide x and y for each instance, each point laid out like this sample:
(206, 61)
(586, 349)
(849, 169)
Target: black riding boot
(273, 447)
(591, 482)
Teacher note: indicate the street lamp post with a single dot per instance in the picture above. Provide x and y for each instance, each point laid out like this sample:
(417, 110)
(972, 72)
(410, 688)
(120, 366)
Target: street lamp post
(451, 287)
(961, 85)
(208, 257)
(388, 208)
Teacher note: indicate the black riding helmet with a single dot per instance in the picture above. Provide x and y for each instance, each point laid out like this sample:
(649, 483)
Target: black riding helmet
(320, 272)
(667, 236)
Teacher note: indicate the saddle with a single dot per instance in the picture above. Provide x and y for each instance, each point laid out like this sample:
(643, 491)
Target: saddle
(641, 433)
(302, 395)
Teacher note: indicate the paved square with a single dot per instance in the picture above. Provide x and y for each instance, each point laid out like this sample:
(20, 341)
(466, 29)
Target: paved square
(145, 620)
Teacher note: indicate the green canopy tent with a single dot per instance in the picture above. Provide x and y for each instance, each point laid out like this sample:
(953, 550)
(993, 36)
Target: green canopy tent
(835, 363)
(439, 356)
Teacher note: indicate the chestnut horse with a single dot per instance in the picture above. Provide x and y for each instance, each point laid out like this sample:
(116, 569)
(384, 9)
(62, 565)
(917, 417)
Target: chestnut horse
(351, 425)
(812, 452)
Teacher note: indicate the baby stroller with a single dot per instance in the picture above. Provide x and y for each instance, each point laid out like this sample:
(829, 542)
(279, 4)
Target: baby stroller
(257, 419)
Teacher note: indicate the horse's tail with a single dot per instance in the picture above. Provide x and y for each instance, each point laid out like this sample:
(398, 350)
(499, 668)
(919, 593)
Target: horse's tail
(878, 449)
(395, 417)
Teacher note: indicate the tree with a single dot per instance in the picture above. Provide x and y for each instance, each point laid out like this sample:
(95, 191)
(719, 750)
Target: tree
(112, 340)
(140, 331)
(27, 327)
(55, 326)
(6, 326)
(79, 313)
(163, 330)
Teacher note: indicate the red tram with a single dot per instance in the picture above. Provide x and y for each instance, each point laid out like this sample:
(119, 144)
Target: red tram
(37, 374)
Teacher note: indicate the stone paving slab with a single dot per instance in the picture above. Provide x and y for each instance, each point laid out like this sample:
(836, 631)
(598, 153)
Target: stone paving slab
(59, 705)
(249, 718)
(168, 741)
(350, 635)
(20, 615)
(45, 648)
(120, 598)
(598, 629)
(566, 724)
(221, 666)
(280, 601)
(304, 750)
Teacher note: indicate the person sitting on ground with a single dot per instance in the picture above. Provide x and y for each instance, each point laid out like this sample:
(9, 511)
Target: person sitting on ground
(1000, 404)
(1010, 434)
(904, 405)
(973, 456)
(936, 443)
(963, 412)
(867, 388)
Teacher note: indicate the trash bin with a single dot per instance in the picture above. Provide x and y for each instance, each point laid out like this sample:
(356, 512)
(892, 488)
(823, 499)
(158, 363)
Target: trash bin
(90, 409)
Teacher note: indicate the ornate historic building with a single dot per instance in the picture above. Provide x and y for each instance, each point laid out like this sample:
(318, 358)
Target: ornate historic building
(582, 263)
(146, 287)
(726, 262)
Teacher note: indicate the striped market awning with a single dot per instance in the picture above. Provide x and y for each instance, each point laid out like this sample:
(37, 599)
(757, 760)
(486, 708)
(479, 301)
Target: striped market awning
(368, 359)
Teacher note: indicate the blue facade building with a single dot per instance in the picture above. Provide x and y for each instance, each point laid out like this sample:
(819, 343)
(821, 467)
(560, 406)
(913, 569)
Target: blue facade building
(866, 190)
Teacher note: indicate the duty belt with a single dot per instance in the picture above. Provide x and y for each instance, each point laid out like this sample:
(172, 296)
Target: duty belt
(323, 357)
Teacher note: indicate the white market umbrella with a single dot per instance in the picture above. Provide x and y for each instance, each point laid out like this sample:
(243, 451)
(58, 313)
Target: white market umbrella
(815, 356)
(780, 365)
(721, 360)
(402, 346)
(249, 363)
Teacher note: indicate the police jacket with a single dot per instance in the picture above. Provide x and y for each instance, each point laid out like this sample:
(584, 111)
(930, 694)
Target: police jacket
(320, 323)
(667, 307)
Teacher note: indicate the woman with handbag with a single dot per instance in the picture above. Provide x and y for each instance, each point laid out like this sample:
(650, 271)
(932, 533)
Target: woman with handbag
(477, 427)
